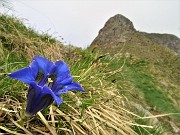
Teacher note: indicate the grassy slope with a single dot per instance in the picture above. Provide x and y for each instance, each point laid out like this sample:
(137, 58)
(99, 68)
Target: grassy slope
(111, 84)
(151, 72)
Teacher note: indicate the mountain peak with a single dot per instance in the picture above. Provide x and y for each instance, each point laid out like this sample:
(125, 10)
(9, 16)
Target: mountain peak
(119, 30)
(115, 28)
(120, 21)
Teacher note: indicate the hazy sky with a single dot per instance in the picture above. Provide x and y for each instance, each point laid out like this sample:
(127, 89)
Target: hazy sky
(78, 21)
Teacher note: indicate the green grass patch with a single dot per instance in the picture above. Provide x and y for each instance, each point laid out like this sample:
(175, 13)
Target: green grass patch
(154, 96)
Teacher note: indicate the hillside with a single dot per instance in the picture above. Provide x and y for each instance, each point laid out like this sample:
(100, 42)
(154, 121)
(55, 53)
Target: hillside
(151, 67)
(80, 113)
(125, 91)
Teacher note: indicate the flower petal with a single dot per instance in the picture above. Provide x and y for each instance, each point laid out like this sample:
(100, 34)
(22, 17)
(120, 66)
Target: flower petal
(60, 84)
(38, 98)
(34, 68)
(46, 100)
(61, 69)
(72, 86)
(44, 64)
(65, 80)
(57, 99)
(32, 97)
(25, 75)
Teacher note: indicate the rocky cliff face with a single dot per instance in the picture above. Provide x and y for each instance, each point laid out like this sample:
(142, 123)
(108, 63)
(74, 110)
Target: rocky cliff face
(171, 41)
(119, 30)
(115, 29)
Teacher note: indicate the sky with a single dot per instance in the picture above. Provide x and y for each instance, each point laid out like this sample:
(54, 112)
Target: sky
(78, 22)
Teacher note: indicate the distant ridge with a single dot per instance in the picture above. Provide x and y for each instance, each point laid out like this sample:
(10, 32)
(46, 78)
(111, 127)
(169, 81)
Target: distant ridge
(120, 30)
(169, 40)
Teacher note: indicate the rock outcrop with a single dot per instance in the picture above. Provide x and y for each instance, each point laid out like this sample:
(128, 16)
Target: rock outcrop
(119, 29)
(169, 40)
(115, 29)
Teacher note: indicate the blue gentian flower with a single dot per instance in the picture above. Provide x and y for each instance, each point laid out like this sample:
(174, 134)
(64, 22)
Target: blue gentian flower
(47, 81)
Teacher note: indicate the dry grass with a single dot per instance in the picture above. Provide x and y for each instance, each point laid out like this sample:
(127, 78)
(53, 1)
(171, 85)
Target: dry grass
(15, 37)
(31, 47)
(106, 118)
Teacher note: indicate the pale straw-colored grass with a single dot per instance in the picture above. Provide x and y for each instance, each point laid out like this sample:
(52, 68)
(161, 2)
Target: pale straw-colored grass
(108, 117)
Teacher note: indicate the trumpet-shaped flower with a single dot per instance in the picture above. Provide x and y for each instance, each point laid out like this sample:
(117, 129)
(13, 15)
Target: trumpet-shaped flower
(47, 81)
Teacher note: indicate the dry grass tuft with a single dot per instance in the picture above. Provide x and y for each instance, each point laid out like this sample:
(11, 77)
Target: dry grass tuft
(23, 45)
(17, 38)
(108, 117)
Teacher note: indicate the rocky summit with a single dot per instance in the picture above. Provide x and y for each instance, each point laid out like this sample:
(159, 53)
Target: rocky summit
(119, 30)
(115, 29)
